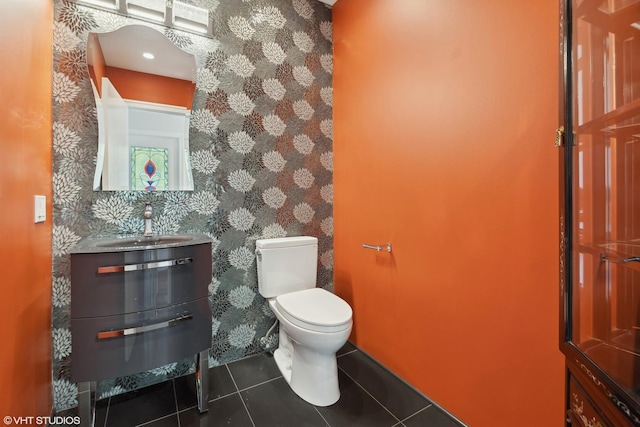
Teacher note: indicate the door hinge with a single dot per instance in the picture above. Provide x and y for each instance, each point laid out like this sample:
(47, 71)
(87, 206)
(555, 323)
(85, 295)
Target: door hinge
(560, 137)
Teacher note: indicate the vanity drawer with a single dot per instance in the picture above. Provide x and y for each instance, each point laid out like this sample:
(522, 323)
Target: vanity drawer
(108, 283)
(114, 346)
(582, 408)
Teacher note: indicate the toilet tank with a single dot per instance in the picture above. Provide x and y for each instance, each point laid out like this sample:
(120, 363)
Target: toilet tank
(286, 264)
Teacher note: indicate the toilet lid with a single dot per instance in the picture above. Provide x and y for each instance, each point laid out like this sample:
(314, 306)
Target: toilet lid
(315, 309)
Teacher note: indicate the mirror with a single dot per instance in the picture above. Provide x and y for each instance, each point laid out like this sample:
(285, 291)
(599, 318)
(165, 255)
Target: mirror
(144, 87)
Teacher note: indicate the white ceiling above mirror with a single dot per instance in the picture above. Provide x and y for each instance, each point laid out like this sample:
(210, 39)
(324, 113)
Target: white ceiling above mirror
(129, 47)
(144, 88)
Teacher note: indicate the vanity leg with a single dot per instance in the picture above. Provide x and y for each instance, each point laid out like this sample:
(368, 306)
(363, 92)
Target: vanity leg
(87, 403)
(202, 380)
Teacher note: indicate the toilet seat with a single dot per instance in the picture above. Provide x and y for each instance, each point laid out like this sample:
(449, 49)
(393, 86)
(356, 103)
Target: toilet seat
(315, 309)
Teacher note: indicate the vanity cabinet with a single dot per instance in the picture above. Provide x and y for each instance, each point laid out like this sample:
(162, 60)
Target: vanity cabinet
(599, 145)
(129, 281)
(138, 308)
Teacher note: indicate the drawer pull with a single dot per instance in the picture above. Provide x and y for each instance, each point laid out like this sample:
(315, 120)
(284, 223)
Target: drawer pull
(144, 266)
(140, 329)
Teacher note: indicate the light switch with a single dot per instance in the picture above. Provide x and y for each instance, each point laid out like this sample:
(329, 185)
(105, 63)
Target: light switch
(40, 208)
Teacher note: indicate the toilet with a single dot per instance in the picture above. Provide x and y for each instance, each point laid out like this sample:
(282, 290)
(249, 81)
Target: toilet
(314, 323)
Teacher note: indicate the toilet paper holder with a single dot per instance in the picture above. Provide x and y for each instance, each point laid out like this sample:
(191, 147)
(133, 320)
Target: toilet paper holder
(378, 248)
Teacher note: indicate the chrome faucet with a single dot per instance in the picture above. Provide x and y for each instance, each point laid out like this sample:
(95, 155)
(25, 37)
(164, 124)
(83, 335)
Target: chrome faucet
(148, 220)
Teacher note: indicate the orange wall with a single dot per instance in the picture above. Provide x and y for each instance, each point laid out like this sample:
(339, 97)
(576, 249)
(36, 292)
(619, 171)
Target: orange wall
(151, 88)
(444, 120)
(25, 150)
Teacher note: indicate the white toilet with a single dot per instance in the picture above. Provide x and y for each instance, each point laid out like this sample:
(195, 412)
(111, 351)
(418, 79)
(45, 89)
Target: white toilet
(314, 323)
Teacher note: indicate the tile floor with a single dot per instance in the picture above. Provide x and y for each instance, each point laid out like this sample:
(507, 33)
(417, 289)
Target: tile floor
(252, 393)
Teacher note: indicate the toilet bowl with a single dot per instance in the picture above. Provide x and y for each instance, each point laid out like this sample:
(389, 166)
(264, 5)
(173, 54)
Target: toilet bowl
(306, 354)
(314, 323)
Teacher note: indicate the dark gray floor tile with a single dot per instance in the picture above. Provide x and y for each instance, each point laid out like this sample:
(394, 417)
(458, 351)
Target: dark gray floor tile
(220, 384)
(168, 421)
(274, 404)
(254, 370)
(141, 406)
(347, 348)
(270, 402)
(226, 411)
(355, 408)
(390, 391)
(432, 417)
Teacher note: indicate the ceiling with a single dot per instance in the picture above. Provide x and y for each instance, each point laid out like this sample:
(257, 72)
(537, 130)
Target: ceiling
(120, 51)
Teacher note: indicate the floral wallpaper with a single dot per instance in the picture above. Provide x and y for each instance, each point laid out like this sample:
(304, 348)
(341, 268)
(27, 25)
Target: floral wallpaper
(261, 154)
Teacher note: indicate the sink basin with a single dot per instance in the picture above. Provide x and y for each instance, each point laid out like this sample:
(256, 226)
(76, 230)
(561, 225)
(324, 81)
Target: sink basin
(122, 244)
(143, 241)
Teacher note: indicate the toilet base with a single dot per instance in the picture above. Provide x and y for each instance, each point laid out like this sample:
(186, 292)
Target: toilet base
(311, 375)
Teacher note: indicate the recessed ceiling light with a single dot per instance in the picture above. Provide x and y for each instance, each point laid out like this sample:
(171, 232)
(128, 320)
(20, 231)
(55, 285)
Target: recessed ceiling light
(148, 55)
